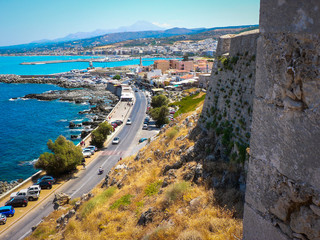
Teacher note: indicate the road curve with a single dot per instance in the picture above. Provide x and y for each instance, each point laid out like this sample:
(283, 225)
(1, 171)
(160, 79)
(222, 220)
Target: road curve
(88, 178)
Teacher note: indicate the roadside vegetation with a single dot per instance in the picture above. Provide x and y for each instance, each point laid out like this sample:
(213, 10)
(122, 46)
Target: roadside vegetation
(64, 158)
(99, 135)
(159, 110)
(151, 198)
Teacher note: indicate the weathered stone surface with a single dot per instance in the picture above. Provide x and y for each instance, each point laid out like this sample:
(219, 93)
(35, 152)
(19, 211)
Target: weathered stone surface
(284, 171)
(306, 222)
(146, 217)
(256, 227)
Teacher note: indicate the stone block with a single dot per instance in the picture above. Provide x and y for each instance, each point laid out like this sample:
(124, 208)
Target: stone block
(289, 141)
(296, 16)
(256, 227)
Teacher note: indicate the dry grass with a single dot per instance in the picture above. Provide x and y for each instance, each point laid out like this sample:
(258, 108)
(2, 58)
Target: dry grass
(182, 210)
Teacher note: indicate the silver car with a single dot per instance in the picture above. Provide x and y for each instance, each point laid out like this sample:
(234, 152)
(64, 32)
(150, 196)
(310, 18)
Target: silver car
(3, 219)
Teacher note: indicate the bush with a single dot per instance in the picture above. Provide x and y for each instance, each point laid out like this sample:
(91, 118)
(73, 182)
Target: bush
(123, 201)
(172, 133)
(176, 191)
(99, 136)
(160, 114)
(153, 188)
(159, 101)
(65, 157)
(97, 201)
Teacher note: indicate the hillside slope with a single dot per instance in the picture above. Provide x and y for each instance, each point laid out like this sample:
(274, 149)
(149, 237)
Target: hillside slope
(161, 193)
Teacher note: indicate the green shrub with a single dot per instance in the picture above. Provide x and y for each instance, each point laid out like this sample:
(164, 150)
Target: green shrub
(153, 188)
(123, 201)
(172, 133)
(64, 157)
(97, 201)
(176, 191)
(99, 136)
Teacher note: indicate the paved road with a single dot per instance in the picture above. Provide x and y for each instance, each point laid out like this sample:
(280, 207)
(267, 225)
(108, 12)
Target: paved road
(89, 178)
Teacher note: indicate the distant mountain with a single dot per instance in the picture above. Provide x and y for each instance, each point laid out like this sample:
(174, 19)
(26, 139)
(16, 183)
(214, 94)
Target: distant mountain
(136, 27)
(110, 38)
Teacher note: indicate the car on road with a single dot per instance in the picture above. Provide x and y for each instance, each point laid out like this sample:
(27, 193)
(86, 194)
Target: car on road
(18, 201)
(128, 121)
(48, 178)
(29, 194)
(86, 153)
(8, 211)
(44, 184)
(145, 127)
(142, 140)
(136, 90)
(116, 140)
(3, 219)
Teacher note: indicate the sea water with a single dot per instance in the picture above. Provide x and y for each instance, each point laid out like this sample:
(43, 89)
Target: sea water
(27, 125)
(11, 65)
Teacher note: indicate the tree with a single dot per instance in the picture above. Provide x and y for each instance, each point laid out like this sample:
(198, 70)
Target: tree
(117, 77)
(185, 57)
(99, 136)
(64, 158)
(160, 115)
(159, 101)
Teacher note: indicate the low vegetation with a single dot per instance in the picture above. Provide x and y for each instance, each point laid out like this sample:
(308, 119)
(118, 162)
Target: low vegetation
(189, 103)
(153, 199)
(64, 158)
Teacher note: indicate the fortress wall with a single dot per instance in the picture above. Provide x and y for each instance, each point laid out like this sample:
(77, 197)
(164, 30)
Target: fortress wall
(228, 105)
(283, 182)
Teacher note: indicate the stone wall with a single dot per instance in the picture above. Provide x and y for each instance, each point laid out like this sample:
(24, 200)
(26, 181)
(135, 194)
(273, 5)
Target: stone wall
(283, 182)
(228, 105)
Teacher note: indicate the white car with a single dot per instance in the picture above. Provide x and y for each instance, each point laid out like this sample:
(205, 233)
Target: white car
(29, 194)
(34, 188)
(87, 153)
(145, 127)
(116, 140)
(128, 121)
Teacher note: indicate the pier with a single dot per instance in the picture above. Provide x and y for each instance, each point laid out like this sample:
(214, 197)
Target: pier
(65, 61)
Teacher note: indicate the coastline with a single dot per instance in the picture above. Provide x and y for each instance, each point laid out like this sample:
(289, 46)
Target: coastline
(84, 93)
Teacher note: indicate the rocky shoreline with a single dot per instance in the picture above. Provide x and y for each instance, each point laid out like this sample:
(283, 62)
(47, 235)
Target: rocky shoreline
(100, 100)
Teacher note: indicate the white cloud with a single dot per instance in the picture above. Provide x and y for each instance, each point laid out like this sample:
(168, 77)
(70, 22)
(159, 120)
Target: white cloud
(163, 25)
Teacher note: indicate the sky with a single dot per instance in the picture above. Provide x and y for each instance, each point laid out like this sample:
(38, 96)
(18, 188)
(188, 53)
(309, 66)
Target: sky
(24, 21)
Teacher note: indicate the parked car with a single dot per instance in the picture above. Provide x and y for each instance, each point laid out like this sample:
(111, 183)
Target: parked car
(94, 148)
(8, 211)
(114, 124)
(145, 127)
(146, 120)
(18, 201)
(35, 188)
(29, 194)
(118, 122)
(116, 140)
(48, 178)
(44, 184)
(142, 140)
(128, 121)
(89, 149)
(3, 219)
(86, 153)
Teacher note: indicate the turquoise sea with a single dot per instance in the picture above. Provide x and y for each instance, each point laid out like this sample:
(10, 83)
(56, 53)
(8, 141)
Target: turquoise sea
(27, 125)
(11, 65)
